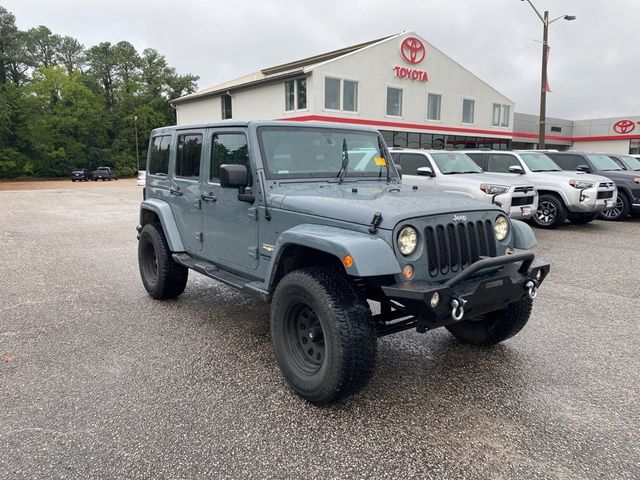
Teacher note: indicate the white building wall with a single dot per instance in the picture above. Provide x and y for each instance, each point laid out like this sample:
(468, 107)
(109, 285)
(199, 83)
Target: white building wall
(602, 146)
(203, 110)
(373, 68)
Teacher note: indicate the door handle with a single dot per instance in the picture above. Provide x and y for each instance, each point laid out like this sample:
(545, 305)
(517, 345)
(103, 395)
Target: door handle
(175, 191)
(210, 197)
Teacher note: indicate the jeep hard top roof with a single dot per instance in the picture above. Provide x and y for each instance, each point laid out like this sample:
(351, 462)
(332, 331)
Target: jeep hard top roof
(263, 123)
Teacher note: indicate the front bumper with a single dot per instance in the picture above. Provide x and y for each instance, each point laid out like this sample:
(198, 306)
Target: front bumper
(488, 285)
(587, 201)
(521, 206)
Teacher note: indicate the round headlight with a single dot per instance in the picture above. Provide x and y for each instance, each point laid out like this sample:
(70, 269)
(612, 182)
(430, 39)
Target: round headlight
(407, 240)
(501, 227)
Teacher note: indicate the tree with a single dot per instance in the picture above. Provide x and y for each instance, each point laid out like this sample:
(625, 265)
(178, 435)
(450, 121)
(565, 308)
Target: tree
(102, 67)
(70, 54)
(43, 46)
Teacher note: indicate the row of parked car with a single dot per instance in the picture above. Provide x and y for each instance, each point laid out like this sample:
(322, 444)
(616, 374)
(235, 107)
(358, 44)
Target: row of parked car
(101, 173)
(547, 187)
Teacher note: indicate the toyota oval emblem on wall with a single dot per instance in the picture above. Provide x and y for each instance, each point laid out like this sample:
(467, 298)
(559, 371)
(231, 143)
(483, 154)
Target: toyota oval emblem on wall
(412, 50)
(624, 126)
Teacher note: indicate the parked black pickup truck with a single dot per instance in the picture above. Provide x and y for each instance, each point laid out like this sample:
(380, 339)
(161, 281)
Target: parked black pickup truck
(104, 173)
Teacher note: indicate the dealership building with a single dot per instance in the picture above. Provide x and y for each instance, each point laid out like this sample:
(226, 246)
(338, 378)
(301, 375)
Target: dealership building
(406, 88)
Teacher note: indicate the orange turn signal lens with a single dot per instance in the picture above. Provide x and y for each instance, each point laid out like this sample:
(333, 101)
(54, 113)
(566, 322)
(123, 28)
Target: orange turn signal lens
(407, 271)
(347, 261)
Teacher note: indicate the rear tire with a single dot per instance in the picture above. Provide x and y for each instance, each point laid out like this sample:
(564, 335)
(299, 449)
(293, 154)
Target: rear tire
(495, 327)
(323, 335)
(582, 218)
(162, 277)
(621, 209)
(551, 212)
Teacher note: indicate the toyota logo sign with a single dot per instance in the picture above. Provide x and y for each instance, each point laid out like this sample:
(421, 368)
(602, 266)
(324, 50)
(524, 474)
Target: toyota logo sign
(412, 50)
(624, 126)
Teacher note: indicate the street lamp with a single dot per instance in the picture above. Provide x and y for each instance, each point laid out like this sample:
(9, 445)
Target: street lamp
(135, 126)
(545, 58)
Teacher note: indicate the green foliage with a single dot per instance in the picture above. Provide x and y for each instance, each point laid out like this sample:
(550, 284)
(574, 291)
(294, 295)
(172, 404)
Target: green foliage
(64, 107)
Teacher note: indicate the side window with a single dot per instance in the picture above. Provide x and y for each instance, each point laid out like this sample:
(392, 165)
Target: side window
(569, 162)
(159, 155)
(500, 163)
(188, 156)
(479, 159)
(410, 162)
(228, 148)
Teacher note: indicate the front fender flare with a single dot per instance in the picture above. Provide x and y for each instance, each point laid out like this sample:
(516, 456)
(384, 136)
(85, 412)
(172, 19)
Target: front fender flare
(372, 256)
(163, 210)
(523, 236)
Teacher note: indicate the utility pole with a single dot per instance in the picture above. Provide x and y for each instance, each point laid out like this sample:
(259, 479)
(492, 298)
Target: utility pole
(135, 126)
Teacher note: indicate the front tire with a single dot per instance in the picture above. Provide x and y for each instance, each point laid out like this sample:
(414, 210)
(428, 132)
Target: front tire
(551, 212)
(323, 335)
(620, 210)
(162, 277)
(495, 327)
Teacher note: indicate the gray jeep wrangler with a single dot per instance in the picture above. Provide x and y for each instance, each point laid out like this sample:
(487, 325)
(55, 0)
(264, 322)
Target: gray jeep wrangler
(314, 219)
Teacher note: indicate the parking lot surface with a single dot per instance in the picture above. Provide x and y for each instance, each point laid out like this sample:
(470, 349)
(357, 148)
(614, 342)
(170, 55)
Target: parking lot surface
(97, 380)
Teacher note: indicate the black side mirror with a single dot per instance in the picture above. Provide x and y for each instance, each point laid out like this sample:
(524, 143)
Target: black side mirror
(425, 172)
(583, 168)
(399, 170)
(234, 176)
(516, 169)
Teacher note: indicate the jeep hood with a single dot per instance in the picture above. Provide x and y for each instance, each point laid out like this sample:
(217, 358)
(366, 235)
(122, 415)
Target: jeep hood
(395, 202)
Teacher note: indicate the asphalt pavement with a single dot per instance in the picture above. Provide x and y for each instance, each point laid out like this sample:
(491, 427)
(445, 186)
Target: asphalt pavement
(98, 380)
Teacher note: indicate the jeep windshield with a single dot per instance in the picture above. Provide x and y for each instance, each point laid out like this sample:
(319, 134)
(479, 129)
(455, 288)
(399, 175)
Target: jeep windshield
(539, 162)
(310, 152)
(602, 162)
(451, 163)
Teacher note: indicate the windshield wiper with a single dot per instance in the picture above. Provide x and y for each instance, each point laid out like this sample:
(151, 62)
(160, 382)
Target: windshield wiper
(383, 153)
(345, 162)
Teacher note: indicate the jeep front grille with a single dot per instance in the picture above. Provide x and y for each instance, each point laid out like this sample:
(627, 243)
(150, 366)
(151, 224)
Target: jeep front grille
(517, 201)
(455, 246)
(605, 194)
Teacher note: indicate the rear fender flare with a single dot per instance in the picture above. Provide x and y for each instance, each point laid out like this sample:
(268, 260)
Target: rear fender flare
(163, 210)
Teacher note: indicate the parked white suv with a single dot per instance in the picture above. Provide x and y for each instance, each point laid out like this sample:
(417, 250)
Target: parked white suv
(454, 172)
(576, 196)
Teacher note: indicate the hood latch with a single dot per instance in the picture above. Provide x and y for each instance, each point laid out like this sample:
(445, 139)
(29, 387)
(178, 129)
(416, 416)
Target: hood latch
(375, 221)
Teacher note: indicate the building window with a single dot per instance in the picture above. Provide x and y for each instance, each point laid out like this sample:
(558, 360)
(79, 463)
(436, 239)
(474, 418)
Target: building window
(295, 94)
(332, 93)
(433, 106)
(228, 148)
(188, 156)
(500, 116)
(225, 101)
(468, 110)
(394, 102)
(350, 102)
(335, 90)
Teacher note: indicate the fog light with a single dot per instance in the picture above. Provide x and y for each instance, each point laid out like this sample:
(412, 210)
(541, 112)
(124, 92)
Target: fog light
(407, 272)
(538, 275)
(435, 300)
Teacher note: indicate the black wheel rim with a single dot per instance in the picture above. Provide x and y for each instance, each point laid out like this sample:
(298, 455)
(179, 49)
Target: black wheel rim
(616, 211)
(304, 339)
(547, 212)
(150, 262)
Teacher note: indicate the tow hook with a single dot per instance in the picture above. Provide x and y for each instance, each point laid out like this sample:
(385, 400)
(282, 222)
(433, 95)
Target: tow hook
(457, 308)
(532, 287)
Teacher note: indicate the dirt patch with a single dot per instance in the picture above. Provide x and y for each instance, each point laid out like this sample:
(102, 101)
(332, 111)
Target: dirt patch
(62, 183)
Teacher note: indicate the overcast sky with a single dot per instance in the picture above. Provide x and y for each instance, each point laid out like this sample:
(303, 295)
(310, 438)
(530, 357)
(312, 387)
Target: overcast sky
(594, 68)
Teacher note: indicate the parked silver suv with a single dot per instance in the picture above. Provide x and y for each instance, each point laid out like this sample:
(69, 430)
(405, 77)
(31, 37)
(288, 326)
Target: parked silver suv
(576, 196)
(454, 172)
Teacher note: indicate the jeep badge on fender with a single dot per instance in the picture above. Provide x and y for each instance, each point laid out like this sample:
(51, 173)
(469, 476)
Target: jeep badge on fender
(313, 218)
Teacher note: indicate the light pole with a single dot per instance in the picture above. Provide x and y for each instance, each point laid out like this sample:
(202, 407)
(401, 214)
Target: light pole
(135, 126)
(545, 59)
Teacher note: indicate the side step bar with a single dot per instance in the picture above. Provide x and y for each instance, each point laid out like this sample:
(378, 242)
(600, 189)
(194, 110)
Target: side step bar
(213, 271)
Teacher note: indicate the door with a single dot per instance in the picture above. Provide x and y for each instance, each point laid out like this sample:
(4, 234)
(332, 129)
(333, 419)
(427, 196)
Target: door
(184, 188)
(230, 226)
